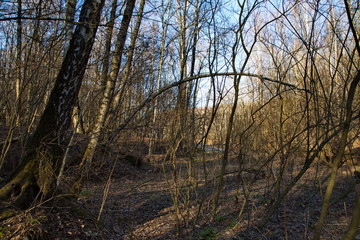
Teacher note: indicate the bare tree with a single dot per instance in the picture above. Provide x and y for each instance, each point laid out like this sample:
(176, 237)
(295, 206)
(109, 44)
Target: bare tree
(36, 175)
(108, 93)
(343, 140)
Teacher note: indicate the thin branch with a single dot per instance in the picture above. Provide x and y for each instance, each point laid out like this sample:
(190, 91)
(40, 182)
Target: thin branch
(177, 83)
(351, 23)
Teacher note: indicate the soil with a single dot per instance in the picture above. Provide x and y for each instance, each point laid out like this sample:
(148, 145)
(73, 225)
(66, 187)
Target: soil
(138, 203)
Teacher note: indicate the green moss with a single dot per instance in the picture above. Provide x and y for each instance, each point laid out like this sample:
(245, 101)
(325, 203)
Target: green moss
(233, 224)
(4, 231)
(6, 214)
(219, 218)
(209, 233)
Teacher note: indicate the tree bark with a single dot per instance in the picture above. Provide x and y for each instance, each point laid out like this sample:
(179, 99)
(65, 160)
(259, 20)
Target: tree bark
(69, 25)
(355, 221)
(127, 71)
(338, 157)
(18, 62)
(343, 140)
(37, 173)
(107, 97)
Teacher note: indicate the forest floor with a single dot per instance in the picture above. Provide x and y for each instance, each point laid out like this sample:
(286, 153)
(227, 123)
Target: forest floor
(138, 204)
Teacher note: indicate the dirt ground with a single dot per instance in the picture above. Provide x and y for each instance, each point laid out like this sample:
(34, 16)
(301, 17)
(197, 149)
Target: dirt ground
(123, 200)
(139, 206)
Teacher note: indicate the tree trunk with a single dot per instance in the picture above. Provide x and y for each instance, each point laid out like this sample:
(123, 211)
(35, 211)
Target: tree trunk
(37, 173)
(106, 100)
(18, 63)
(338, 157)
(70, 17)
(127, 71)
(165, 25)
(342, 144)
(355, 221)
(239, 38)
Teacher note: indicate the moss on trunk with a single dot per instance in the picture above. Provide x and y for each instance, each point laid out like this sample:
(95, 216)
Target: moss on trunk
(21, 190)
(35, 179)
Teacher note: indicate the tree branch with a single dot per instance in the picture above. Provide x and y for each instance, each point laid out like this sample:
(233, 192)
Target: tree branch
(188, 79)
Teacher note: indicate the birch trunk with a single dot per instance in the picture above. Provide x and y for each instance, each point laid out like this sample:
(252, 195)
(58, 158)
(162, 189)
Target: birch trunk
(18, 62)
(69, 26)
(127, 72)
(106, 100)
(37, 173)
